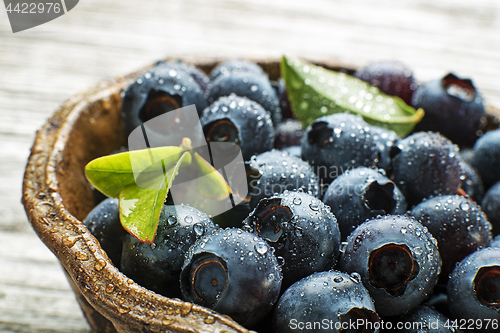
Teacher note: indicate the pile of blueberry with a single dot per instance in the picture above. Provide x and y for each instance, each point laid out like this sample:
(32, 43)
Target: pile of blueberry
(346, 227)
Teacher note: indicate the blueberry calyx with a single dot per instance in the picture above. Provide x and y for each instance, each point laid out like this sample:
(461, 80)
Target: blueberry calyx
(462, 89)
(391, 267)
(320, 135)
(380, 196)
(157, 103)
(208, 277)
(270, 216)
(223, 131)
(487, 285)
(357, 315)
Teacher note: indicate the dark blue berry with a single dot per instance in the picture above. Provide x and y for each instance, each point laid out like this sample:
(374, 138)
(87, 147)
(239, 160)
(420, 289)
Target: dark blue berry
(426, 319)
(398, 261)
(275, 172)
(326, 302)
(156, 92)
(470, 182)
(392, 77)
(425, 164)
(487, 157)
(452, 107)
(301, 229)
(233, 272)
(198, 75)
(231, 66)
(360, 194)
(458, 224)
(288, 133)
(491, 207)
(338, 142)
(157, 266)
(246, 84)
(104, 224)
(474, 288)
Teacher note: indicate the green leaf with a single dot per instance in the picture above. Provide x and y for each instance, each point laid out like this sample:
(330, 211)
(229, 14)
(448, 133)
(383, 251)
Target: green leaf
(211, 183)
(140, 207)
(315, 92)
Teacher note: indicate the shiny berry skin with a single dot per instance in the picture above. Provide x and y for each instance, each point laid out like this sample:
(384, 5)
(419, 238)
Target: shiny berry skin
(333, 299)
(293, 151)
(474, 287)
(458, 224)
(452, 107)
(250, 85)
(198, 75)
(392, 77)
(425, 164)
(275, 172)
(338, 142)
(234, 65)
(470, 182)
(159, 91)
(360, 194)
(288, 133)
(487, 157)
(104, 224)
(232, 272)
(426, 319)
(301, 229)
(491, 207)
(398, 261)
(157, 266)
(240, 121)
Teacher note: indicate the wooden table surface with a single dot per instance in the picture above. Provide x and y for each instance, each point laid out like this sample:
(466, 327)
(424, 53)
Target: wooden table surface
(43, 66)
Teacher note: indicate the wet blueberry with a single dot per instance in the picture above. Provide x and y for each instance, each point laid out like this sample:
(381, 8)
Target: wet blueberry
(156, 92)
(491, 207)
(487, 157)
(426, 319)
(425, 164)
(301, 229)
(157, 266)
(234, 65)
(239, 121)
(392, 77)
(458, 224)
(198, 75)
(474, 288)
(288, 133)
(470, 182)
(360, 194)
(104, 224)
(326, 302)
(338, 142)
(293, 151)
(452, 107)
(275, 172)
(232, 272)
(398, 261)
(247, 84)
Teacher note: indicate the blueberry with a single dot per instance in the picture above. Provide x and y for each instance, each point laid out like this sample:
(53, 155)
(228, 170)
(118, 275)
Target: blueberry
(487, 157)
(398, 261)
(392, 77)
(360, 194)
(491, 207)
(275, 171)
(234, 65)
(474, 288)
(288, 133)
(470, 182)
(452, 107)
(104, 224)
(458, 224)
(247, 84)
(426, 319)
(198, 75)
(240, 121)
(338, 142)
(157, 266)
(425, 164)
(326, 302)
(233, 272)
(301, 229)
(293, 151)
(157, 92)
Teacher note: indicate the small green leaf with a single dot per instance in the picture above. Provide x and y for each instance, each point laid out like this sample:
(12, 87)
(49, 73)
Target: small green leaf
(315, 92)
(211, 183)
(140, 207)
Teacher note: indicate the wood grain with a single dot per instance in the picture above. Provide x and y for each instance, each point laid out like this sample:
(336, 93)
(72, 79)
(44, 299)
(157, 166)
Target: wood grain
(41, 67)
